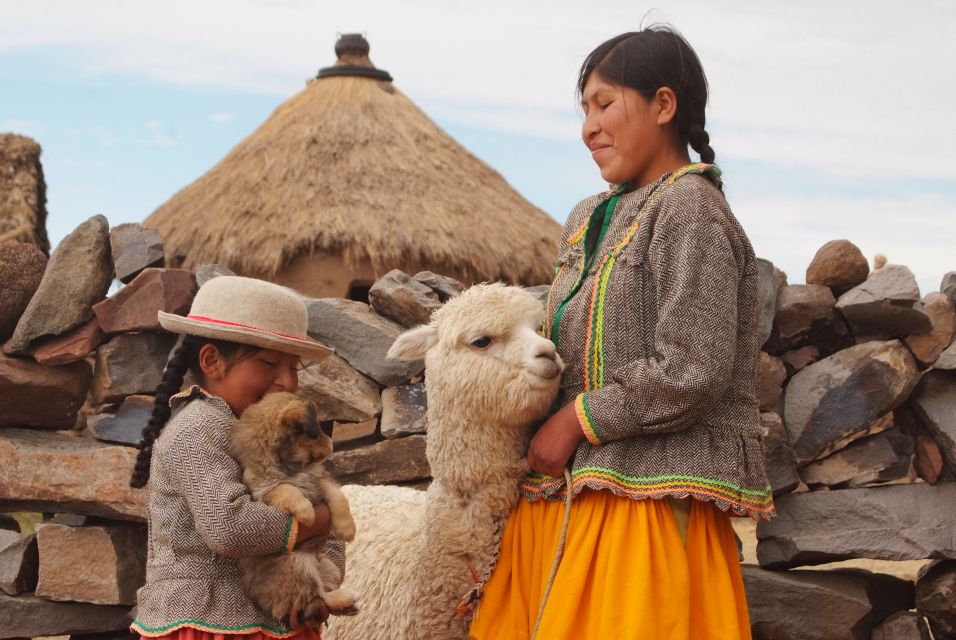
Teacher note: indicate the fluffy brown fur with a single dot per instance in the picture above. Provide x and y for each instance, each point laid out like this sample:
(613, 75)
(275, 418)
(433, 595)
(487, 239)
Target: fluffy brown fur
(281, 447)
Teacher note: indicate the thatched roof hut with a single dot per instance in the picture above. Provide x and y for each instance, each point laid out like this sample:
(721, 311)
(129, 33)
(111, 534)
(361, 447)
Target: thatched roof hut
(22, 192)
(347, 180)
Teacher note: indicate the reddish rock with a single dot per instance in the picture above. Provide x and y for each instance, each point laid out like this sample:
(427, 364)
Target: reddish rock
(32, 395)
(130, 364)
(839, 264)
(135, 248)
(21, 269)
(78, 276)
(70, 347)
(135, 306)
(928, 460)
(927, 347)
(101, 565)
(59, 473)
(399, 297)
(772, 374)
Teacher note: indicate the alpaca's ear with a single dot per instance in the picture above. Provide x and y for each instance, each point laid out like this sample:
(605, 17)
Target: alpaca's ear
(413, 344)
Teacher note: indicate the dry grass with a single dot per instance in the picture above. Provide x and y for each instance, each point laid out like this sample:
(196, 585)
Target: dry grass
(351, 166)
(22, 192)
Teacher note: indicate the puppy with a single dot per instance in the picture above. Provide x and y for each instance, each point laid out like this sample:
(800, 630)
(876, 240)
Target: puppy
(280, 446)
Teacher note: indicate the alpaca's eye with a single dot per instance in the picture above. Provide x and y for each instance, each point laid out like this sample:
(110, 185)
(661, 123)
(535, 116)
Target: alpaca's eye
(481, 342)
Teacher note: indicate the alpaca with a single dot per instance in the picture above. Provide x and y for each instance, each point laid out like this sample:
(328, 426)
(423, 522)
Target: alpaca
(417, 555)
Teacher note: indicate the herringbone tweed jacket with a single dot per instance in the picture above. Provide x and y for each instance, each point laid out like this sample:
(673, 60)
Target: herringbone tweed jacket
(201, 519)
(660, 343)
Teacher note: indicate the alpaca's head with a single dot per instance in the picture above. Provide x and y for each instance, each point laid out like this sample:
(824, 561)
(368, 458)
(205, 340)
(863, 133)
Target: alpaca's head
(483, 350)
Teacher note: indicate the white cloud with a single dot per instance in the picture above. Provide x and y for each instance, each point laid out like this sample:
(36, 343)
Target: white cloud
(22, 127)
(221, 118)
(158, 136)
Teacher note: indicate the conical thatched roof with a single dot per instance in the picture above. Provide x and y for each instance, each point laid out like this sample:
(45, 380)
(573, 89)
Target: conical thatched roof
(351, 166)
(22, 192)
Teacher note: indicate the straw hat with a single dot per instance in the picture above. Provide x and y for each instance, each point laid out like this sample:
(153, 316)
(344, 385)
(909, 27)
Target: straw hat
(248, 311)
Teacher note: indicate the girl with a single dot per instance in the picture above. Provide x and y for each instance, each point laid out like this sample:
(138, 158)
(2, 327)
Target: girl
(653, 308)
(243, 338)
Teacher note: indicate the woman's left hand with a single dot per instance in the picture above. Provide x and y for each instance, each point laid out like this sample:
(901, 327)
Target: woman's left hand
(554, 443)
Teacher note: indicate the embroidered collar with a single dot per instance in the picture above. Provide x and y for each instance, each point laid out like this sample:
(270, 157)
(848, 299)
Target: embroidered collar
(195, 391)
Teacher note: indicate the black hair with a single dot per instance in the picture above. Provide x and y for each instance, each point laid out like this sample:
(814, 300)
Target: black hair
(185, 358)
(647, 60)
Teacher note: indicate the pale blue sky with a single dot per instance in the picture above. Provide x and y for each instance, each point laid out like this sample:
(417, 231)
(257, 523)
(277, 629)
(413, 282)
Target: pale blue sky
(828, 121)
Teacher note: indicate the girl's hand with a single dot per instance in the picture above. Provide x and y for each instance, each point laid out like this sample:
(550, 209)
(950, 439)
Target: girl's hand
(319, 528)
(555, 442)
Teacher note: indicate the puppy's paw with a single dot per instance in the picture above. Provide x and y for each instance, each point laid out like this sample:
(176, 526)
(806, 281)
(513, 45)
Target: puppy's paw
(304, 512)
(344, 527)
(342, 602)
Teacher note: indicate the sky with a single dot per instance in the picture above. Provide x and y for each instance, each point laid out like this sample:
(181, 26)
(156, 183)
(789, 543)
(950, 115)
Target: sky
(829, 119)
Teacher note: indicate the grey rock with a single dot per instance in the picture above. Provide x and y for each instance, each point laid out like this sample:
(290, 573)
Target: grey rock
(399, 297)
(935, 407)
(403, 410)
(800, 358)
(936, 597)
(30, 617)
(58, 473)
(927, 347)
(836, 399)
(134, 248)
(130, 364)
(772, 375)
(32, 395)
(77, 276)
(341, 392)
(799, 306)
(806, 605)
(888, 594)
(768, 286)
(904, 625)
(102, 565)
(882, 457)
(948, 285)
(885, 305)
(947, 359)
(781, 467)
(21, 269)
(126, 425)
(18, 562)
(444, 286)
(206, 272)
(839, 264)
(360, 336)
(892, 522)
(8, 523)
(387, 462)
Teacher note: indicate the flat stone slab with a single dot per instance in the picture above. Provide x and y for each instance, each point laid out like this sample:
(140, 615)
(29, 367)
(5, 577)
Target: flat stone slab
(882, 457)
(18, 562)
(885, 305)
(135, 306)
(126, 425)
(77, 276)
(362, 337)
(130, 364)
(799, 306)
(101, 565)
(341, 392)
(30, 617)
(73, 345)
(927, 347)
(404, 410)
(445, 286)
(399, 297)
(32, 395)
(893, 522)
(904, 625)
(134, 248)
(832, 401)
(806, 605)
(58, 473)
(387, 462)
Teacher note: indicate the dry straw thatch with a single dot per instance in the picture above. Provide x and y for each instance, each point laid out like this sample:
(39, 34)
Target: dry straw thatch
(352, 167)
(22, 192)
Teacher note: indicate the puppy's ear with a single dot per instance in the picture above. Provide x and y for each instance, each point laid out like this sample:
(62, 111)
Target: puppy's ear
(414, 343)
(292, 413)
(311, 422)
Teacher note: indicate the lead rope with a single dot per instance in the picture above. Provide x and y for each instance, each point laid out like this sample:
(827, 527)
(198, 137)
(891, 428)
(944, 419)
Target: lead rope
(558, 552)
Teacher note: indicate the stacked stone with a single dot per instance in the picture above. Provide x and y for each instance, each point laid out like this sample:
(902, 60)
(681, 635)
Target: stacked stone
(858, 397)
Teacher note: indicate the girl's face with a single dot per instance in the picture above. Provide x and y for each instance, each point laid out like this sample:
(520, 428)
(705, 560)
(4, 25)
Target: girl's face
(247, 380)
(626, 133)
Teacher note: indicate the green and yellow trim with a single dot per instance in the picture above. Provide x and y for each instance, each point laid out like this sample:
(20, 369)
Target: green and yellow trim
(583, 411)
(200, 625)
(756, 501)
(291, 535)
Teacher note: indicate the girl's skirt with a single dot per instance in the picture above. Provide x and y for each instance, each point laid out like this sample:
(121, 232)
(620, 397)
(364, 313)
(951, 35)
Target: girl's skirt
(628, 572)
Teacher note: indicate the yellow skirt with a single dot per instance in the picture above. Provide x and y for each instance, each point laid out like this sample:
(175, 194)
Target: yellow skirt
(626, 574)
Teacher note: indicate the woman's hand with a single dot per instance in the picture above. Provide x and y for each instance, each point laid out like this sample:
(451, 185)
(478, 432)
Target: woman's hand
(554, 443)
(319, 528)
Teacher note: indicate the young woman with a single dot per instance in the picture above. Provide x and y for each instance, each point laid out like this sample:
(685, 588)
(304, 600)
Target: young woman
(653, 309)
(243, 338)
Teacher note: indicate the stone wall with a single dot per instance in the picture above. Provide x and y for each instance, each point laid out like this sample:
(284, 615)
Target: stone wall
(858, 397)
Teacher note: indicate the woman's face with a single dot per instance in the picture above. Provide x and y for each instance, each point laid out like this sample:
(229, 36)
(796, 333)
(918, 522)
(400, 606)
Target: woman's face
(622, 130)
(247, 380)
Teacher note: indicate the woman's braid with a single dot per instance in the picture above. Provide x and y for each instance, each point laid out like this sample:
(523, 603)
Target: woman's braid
(173, 375)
